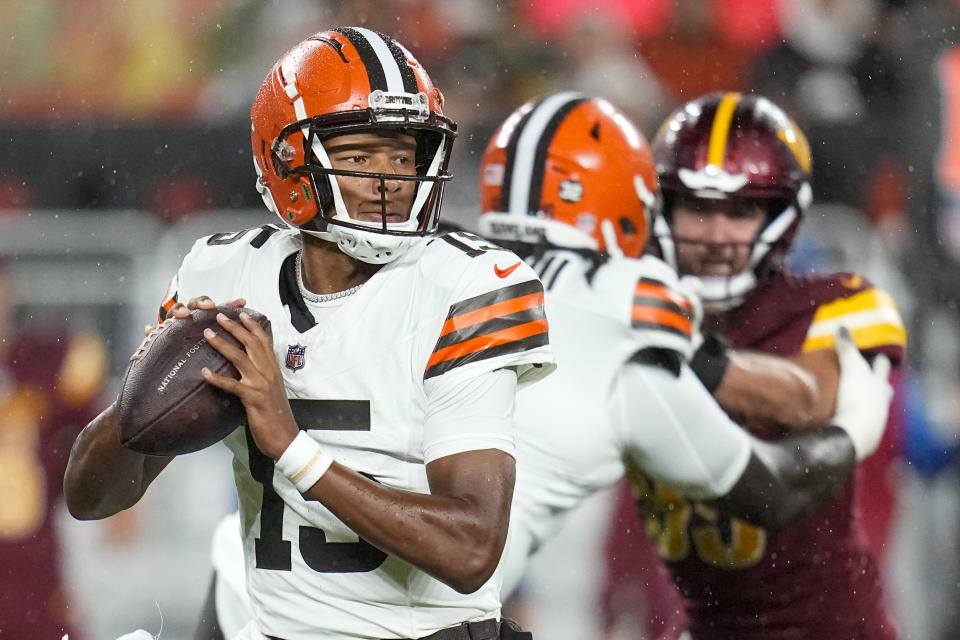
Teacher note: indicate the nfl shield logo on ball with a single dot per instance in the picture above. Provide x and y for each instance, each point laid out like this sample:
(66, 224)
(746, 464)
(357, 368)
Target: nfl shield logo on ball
(295, 357)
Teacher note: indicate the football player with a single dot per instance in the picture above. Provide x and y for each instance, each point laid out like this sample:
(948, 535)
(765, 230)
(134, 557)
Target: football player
(571, 179)
(375, 470)
(568, 180)
(734, 173)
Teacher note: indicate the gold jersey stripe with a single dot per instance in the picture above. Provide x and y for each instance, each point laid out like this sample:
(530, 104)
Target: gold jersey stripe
(720, 130)
(863, 301)
(855, 320)
(870, 337)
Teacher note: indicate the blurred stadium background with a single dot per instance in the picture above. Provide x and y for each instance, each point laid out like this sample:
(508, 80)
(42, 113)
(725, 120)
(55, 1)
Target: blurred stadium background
(125, 136)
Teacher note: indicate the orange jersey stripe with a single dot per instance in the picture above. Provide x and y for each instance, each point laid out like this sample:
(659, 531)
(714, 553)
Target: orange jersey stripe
(663, 293)
(662, 316)
(164, 308)
(489, 312)
(496, 338)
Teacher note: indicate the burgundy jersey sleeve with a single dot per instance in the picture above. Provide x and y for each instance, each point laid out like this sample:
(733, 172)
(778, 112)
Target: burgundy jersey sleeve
(802, 313)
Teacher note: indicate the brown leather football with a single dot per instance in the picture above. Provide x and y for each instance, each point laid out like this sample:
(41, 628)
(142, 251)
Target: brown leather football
(165, 407)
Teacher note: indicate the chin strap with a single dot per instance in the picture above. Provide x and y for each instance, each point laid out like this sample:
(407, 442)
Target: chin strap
(722, 294)
(368, 246)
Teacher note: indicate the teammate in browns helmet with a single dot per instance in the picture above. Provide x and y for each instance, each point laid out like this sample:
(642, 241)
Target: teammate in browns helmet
(734, 173)
(375, 466)
(568, 179)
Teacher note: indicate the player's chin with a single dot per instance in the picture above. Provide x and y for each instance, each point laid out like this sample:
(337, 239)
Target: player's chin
(716, 270)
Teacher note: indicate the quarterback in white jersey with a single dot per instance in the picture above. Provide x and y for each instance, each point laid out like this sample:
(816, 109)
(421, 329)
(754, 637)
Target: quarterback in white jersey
(384, 398)
(571, 179)
(375, 467)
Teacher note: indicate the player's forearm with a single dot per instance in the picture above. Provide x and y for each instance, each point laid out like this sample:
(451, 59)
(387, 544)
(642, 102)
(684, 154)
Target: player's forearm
(102, 476)
(761, 392)
(457, 538)
(789, 477)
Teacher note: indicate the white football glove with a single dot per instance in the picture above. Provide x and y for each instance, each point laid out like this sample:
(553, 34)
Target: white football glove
(863, 395)
(690, 287)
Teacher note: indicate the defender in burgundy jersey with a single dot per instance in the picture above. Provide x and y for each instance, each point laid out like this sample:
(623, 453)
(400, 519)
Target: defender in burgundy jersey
(49, 383)
(734, 171)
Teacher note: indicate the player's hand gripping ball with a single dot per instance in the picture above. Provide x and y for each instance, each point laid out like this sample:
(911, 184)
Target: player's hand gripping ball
(165, 406)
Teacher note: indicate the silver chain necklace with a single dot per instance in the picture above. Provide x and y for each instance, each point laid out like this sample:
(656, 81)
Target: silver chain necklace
(310, 296)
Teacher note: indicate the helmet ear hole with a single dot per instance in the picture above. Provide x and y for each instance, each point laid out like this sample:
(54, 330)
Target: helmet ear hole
(279, 166)
(627, 227)
(321, 186)
(774, 206)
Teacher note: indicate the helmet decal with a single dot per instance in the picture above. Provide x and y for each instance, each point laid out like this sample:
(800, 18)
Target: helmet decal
(570, 190)
(712, 178)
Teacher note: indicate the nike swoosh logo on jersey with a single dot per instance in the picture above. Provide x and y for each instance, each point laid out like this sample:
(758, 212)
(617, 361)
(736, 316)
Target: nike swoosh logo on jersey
(503, 273)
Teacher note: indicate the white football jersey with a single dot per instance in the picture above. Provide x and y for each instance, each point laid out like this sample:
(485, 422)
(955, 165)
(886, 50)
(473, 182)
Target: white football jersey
(361, 373)
(576, 429)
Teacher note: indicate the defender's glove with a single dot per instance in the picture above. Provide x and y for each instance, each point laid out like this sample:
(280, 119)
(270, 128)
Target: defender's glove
(863, 395)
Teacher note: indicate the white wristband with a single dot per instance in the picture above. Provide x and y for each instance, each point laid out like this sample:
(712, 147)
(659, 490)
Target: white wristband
(303, 462)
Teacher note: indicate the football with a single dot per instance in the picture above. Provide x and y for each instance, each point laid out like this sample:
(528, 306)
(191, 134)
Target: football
(165, 407)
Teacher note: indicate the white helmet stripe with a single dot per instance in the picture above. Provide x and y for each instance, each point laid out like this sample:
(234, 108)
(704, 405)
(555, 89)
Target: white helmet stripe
(390, 68)
(523, 163)
(663, 233)
(319, 152)
(324, 160)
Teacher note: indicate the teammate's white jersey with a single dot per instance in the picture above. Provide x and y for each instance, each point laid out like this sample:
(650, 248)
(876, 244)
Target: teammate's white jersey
(367, 376)
(578, 428)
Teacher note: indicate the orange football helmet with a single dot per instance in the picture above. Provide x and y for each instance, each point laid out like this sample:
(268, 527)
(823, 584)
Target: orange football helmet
(570, 171)
(338, 82)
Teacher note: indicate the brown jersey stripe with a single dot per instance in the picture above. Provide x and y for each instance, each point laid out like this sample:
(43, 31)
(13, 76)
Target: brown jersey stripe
(493, 297)
(651, 316)
(165, 307)
(493, 325)
(643, 302)
(523, 338)
(649, 288)
(656, 326)
(496, 310)
(488, 340)
(656, 306)
(492, 312)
